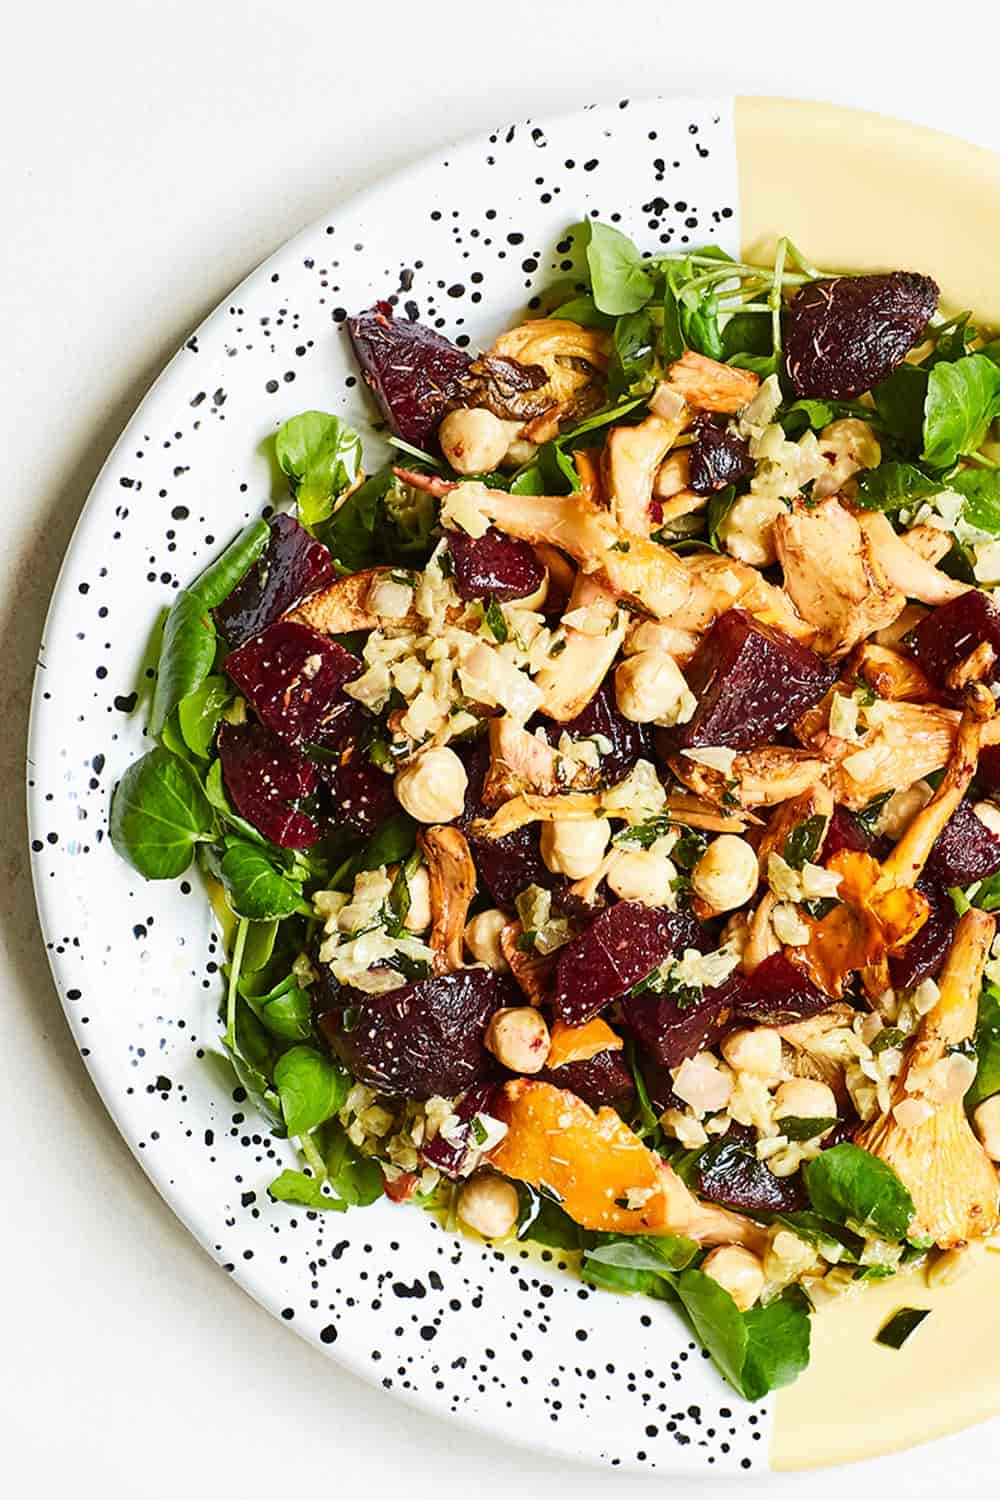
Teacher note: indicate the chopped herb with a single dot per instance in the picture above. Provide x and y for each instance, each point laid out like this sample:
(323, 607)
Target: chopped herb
(889, 1036)
(803, 1128)
(895, 1333)
(496, 622)
(804, 841)
(557, 648)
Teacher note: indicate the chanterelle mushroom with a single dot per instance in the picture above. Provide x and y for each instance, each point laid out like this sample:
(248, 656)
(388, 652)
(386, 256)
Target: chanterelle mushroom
(833, 575)
(564, 350)
(926, 1137)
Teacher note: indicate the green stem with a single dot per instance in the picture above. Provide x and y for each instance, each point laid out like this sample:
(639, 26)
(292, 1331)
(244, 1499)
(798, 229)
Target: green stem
(774, 300)
(235, 965)
(313, 1157)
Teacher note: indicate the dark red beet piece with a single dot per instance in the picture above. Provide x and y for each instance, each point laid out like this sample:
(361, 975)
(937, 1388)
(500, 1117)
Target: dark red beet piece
(506, 866)
(988, 768)
(717, 458)
(751, 682)
(965, 849)
(629, 742)
(265, 779)
(847, 334)
(361, 794)
(604, 1079)
(659, 1083)
(671, 1032)
(412, 371)
(493, 565)
(292, 565)
(729, 1173)
(294, 678)
(947, 635)
(449, 1156)
(777, 993)
(924, 954)
(845, 832)
(622, 945)
(423, 1039)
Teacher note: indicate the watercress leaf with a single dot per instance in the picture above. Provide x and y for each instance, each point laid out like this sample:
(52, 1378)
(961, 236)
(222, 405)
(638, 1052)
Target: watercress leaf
(893, 485)
(215, 791)
(850, 1185)
(598, 419)
(987, 1080)
(761, 365)
(259, 945)
(633, 357)
(199, 713)
(357, 1178)
(669, 1252)
(545, 1223)
(899, 402)
(620, 283)
(671, 343)
(981, 489)
(747, 333)
(719, 506)
(777, 1348)
(285, 1011)
(321, 456)
(186, 655)
(390, 844)
(557, 469)
(221, 577)
(158, 814)
(804, 414)
(307, 1192)
(585, 311)
(256, 888)
(963, 398)
(311, 1088)
(624, 1279)
(833, 1241)
(700, 323)
(351, 532)
(717, 1321)
(528, 481)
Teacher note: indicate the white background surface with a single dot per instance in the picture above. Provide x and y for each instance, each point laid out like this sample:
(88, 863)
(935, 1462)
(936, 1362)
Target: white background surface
(153, 152)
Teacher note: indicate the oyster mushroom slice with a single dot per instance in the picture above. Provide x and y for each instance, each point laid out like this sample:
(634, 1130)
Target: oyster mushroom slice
(707, 385)
(952, 1181)
(631, 461)
(522, 762)
(904, 567)
(570, 680)
(452, 877)
(346, 605)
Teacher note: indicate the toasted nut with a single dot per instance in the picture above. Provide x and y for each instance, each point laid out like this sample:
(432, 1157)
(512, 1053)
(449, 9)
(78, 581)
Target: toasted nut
(804, 1099)
(747, 531)
(738, 1271)
(650, 689)
(519, 1038)
(642, 875)
(489, 1205)
(431, 787)
(473, 440)
(482, 938)
(575, 848)
(726, 876)
(754, 1049)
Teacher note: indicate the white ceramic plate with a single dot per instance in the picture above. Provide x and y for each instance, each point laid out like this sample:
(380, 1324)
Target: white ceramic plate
(505, 1342)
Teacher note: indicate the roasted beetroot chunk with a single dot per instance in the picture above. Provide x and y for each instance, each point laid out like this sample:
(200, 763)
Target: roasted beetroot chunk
(671, 1032)
(266, 780)
(604, 1079)
(448, 1156)
(493, 565)
(717, 458)
(412, 372)
(777, 993)
(622, 945)
(965, 849)
(924, 954)
(988, 769)
(751, 682)
(361, 794)
(629, 742)
(946, 636)
(506, 866)
(422, 1039)
(848, 333)
(292, 565)
(294, 677)
(729, 1173)
(845, 832)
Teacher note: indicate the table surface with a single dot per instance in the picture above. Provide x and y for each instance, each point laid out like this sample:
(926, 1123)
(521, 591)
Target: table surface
(154, 152)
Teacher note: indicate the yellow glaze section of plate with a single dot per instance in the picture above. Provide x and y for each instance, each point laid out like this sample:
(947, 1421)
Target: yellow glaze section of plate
(863, 192)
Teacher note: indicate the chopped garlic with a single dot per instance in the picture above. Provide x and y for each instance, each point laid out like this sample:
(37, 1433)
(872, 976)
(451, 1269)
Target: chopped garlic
(640, 796)
(843, 717)
(460, 509)
(717, 758)
(789, 928)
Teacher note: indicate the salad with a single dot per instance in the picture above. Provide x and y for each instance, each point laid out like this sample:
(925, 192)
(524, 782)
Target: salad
(601, 799)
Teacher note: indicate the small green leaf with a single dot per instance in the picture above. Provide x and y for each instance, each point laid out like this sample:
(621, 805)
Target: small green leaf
(321, 456)
(987, 1079)
(894, 485)
(158, 814)
(221, 576)
(285, 1011)
(719, 506)
(899, 402)
(199, 713)
(256, 888)
(307, 1192)
(186, 655)
(717, 1322)
(962, 400)
(981, 489)
(620, 283)
(851, 1186)
(583, 310)
(356, 1178)
(311, 1088)
(393, 842)
(778, 1344)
